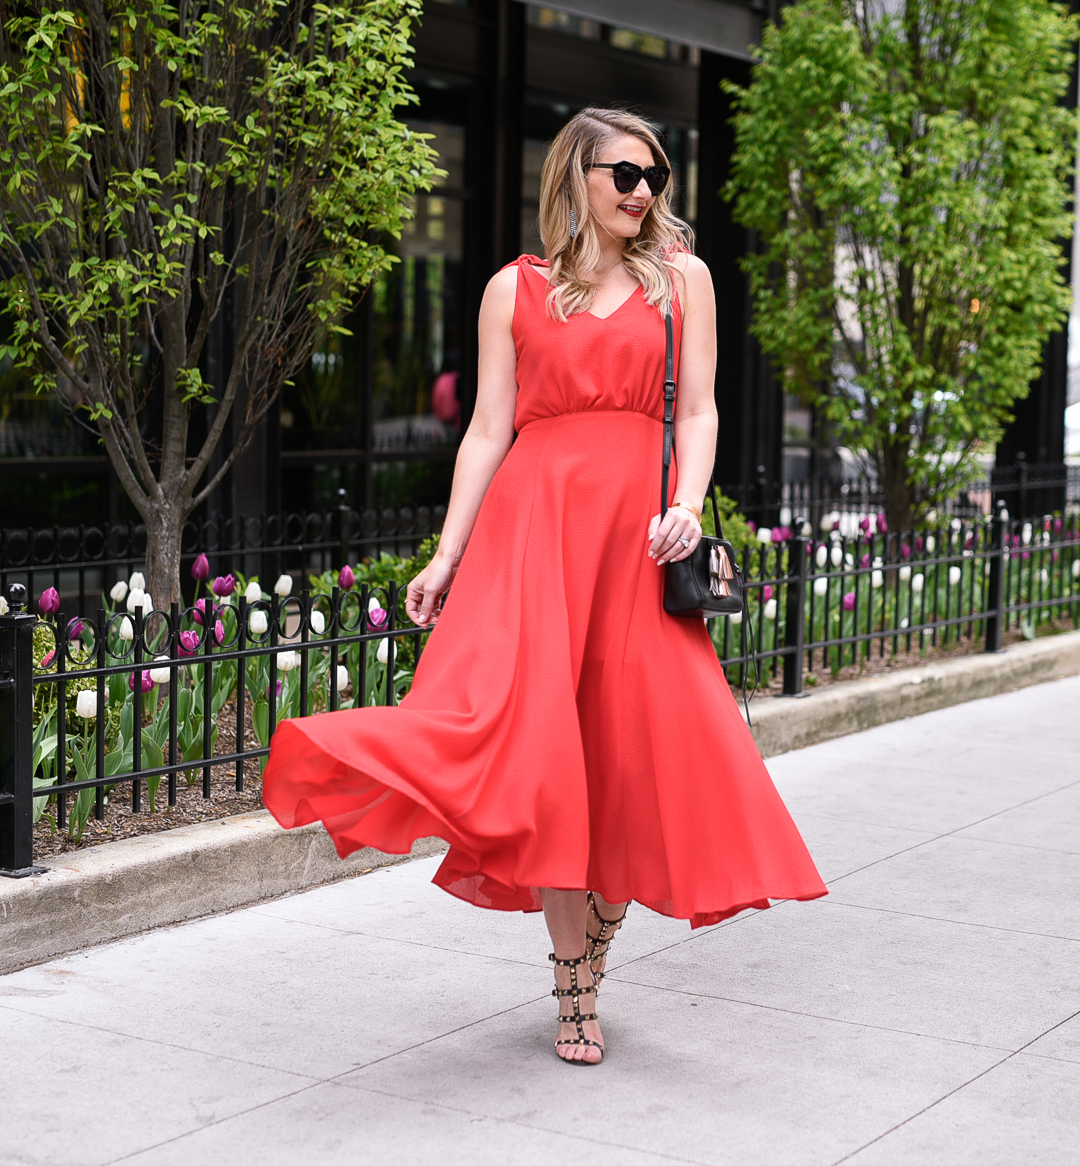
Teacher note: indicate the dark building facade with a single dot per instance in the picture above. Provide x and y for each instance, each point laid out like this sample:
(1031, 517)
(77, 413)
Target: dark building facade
(379, 412)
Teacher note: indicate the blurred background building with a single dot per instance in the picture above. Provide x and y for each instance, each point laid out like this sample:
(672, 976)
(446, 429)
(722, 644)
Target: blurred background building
(380, 412)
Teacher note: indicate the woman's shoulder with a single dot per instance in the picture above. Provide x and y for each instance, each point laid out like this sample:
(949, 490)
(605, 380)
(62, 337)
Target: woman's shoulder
(687, 264)
(526, 261)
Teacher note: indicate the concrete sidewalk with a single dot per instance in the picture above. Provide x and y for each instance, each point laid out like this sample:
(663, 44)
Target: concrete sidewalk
(927, 1011)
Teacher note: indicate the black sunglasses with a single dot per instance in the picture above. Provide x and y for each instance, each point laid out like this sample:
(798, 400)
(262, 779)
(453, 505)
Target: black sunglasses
(627, 175)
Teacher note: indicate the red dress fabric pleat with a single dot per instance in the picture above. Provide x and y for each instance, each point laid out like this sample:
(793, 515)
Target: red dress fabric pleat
(562, 730)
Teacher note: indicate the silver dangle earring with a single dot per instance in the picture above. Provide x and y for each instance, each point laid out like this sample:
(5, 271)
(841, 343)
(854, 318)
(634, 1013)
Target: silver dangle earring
(573, 223)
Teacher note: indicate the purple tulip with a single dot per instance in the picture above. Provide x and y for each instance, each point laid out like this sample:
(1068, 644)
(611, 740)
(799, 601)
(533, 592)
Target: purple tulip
(278, 688)
(849, 601)
(766, 593)
(200, 569)
(865, 560)
(920, 542)
(189, 643)
(75, 628)
(219, 633)
(864, 525)
(346, 578)
(49, 603)
(752, 525)
(202, 608)
(905, 551)
(882, 524)
(377, 619)
(1058, 526)
(145, 683)
(224, 585)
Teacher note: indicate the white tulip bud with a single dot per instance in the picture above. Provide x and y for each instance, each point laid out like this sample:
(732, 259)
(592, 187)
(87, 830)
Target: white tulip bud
(1075, 569)
(806, 530)
(1044, 576)
(318, 622)
(1025, 533)
(735, 618)
(917, 582)
(135, 598)
(160, 675)
(137, 582)
(821, 556)
(342, 677)
(878, 563)
(283, 586)
(836, 556)
(955, 525)
(931, 543)
(86, 704)
(258, 623)
(931, 516)
(126, 631)
(253, 592)
(821, 586)
(905, 573)
(770, 609)
(382, 652)
(877, 578)
(785, 515)
(119, 590)
(374, 604)
(287, 661)
(764, 534)
(904, 623)
(4, 609)
(147, 603)
(849, 561)
(954, 576)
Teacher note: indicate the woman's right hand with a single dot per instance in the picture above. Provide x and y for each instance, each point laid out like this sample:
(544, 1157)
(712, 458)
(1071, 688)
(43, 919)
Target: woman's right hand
(424, 594)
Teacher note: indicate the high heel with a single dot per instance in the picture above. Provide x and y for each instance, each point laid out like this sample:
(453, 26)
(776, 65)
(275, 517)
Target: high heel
(577, 1018)
(597, 945)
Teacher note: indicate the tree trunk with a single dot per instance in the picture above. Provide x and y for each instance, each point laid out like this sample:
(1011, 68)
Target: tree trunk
(895, 476)
(163, 529)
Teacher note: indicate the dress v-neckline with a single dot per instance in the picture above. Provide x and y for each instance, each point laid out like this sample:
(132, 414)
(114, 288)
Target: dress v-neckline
(616, 310)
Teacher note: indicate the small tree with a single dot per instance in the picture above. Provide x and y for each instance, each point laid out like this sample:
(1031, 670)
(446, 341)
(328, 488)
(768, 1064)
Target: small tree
(906, 169)
(169, 168)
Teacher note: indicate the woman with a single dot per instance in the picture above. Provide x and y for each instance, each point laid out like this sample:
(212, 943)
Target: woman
(576, 746)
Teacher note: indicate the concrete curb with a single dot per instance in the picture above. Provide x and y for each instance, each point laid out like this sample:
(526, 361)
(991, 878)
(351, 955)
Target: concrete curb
(780, 724)
(122, 888)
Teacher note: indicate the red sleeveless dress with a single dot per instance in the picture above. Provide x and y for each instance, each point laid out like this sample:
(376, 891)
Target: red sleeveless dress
(562, 730)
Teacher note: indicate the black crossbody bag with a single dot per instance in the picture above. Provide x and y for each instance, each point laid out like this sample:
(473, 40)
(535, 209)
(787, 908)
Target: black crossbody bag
(707, 582)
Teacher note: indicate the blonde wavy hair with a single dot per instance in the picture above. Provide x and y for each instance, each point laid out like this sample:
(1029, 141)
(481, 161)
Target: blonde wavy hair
(563, 184)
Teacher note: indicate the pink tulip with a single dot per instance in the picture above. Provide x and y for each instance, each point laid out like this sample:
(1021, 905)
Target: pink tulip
(865, 561)
(864, 525)
(377, 619)
(200, 569)
(224, 585)
(202, 608)
(49, 602)
(905, 551)
(48, 658)
(920, 542)
(766, 592)
(882, 524)
(219, 633)
(752, 525)
(849, 601)
(145, 683)
(346, 578)
(189, 643)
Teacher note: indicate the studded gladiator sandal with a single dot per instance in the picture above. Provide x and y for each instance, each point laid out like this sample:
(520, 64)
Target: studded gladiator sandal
(597, 945)
(577, 1018)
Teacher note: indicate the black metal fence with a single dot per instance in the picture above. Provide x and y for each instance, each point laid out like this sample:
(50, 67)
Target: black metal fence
(82, 562)
(130, 700)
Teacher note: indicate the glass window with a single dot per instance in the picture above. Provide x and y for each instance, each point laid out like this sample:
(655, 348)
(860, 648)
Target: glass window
(639, 42)
(563, 22)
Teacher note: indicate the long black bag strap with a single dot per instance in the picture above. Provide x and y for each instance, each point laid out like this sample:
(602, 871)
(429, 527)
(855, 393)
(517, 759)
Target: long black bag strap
(669, 442)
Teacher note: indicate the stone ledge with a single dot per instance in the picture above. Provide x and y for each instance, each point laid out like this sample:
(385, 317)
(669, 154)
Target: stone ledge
(781, 724)
(121, 888)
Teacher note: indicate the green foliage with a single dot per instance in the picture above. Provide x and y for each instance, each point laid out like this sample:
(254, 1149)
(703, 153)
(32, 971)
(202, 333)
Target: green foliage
(907, 171)
(164, 162)
(736, 529)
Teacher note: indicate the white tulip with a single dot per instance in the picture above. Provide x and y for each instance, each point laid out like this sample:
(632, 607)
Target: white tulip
(1045, 536)
(806, 530)
(764, 534)
(955, 525)
(126, 631)
(785, 515)
(147, 603)
(986, 567)
(877, 579)
(4, 609)
(1025, 533)
(374, 604)
(770, 609)
(735, 618)
(836, 556)
(382, 652)
(827, 520)
(253, 592)
(135, 598)
(821, 586)
(931, 516)
(904, 622)
(878, 563)
(931, 543)
(917, 582)
(160, 675)
(258, 623)
(137, 582)
(318, 622)
(1044, 576)
(905, 573)
(954, 576)
(86, 704)
(821, 556)
(119, 590)
(342, 677)
(287, 661)
(1004, 514)
(1075, 569)
(849, 561)
(283, 586)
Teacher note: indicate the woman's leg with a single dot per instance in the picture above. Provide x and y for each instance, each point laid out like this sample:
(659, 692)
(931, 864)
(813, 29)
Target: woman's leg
(600, 936)
(564, 913)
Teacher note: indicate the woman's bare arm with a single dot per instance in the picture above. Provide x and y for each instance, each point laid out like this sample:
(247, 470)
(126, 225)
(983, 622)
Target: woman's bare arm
(482, 449)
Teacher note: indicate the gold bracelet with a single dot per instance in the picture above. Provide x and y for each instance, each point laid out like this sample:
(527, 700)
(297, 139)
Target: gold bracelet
(694, 510)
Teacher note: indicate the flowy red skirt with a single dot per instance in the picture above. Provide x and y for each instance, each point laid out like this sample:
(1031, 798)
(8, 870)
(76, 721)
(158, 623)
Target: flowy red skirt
(562, 730)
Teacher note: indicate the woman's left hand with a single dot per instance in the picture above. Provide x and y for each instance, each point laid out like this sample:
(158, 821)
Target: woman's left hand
(675, 537)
